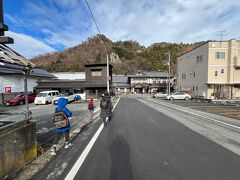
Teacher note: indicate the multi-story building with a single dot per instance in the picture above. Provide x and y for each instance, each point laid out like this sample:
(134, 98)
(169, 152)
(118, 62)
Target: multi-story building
(149, 82)
(89, 84)
(211, 70)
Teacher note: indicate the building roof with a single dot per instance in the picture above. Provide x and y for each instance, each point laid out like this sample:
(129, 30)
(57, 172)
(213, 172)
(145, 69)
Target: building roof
(151, 74)
(119, 79)
(36, 72)
(60, 84)
(96, 65)
(9, 56)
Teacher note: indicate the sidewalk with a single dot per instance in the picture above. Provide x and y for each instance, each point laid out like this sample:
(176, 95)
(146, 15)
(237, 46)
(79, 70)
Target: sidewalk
(46, 158)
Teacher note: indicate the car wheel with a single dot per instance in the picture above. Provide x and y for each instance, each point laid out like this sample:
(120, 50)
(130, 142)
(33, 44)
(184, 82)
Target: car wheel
(46, 102)
(186, 98)
(171, 98)
(21, 103)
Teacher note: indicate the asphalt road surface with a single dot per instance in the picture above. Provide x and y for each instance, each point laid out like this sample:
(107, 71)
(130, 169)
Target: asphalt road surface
(142, 143)
(42, 114)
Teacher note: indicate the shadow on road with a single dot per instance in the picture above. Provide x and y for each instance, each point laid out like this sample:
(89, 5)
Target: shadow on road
(120, 156)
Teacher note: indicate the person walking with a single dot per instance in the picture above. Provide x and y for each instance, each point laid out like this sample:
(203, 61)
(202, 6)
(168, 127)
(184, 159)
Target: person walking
(91, 107)
(106, 108)
(62, 113)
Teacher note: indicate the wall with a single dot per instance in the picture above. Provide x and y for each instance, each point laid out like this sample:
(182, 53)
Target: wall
(188, 64)
(16, 83)
(70, 75)
(18, 147)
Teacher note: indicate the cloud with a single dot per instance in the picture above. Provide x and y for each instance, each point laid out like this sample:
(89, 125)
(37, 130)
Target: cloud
(58, 24)
(171, 21)
(27, 45)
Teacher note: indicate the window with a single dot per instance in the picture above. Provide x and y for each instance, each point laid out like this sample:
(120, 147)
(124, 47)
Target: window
(96, 72)
(92, 91)
(220, 55)
(199, 58)
(222, 71)
(216, 73)
(194, 74)
(196, 88)
(193, 88)
(78, 91)
(184, 76)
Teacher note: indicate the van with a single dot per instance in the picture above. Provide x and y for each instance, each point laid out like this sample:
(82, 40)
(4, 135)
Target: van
(45, 97)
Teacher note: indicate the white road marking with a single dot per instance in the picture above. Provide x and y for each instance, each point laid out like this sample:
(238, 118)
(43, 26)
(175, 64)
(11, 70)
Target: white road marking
(211, 119)
(72, 173)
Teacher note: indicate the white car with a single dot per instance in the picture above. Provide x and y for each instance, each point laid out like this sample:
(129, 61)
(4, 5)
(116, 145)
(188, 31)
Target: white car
(68, 96)
(178, 95)
(159, 95)
(45, 97)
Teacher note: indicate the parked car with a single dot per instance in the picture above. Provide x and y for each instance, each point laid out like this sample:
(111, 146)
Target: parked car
(20, 99)
(178, 95)
(45, 97)
(69, 96)
(118, 93)
(159, 95)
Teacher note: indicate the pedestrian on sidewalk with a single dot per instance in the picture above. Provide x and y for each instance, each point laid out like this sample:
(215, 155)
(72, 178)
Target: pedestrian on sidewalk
(63, 111)
(106, 108)
(91, 107)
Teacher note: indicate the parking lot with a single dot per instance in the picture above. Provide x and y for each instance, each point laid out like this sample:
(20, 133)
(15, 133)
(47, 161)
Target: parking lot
(42, 114)
(231, 110)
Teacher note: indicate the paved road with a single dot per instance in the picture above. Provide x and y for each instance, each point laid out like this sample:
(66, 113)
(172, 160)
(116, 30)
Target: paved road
(144, 144)
(42, 114)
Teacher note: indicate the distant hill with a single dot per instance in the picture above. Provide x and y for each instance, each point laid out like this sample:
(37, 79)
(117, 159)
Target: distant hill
(125, 56)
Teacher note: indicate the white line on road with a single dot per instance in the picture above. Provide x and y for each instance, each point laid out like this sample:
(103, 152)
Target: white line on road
(211, 119)
(72, 173)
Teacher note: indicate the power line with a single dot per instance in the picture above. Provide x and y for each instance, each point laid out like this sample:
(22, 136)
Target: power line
(95, 22)
(103, 43)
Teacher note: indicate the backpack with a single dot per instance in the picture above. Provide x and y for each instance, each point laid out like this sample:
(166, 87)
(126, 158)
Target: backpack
(90, 107)
(60, 120)
(104, 104)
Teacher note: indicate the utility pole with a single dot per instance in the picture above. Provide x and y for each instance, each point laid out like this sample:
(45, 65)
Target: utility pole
(108, 73)
(108, 78)
(169, 71)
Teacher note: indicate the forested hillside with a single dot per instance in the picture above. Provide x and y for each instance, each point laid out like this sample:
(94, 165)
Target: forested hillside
(125, 56)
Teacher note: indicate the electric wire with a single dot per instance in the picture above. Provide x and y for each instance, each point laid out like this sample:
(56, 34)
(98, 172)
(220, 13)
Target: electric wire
(95, 22)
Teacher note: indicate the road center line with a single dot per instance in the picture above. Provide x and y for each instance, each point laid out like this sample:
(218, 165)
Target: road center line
(72, 173)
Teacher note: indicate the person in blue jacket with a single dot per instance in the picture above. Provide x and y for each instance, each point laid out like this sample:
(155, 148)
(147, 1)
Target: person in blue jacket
(62, 102)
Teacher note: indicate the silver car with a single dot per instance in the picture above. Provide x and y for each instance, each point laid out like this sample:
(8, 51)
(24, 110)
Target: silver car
(159, 95)
(178, 95)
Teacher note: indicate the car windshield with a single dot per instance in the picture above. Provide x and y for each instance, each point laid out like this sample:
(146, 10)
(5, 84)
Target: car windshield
(42, 95)
(62, 94)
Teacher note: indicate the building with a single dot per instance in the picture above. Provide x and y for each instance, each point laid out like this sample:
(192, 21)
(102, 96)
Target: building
(64, 82)
(89, 84)
(96, 81)
(150, 82)
(12, 74)
(121, 83)
(211, 70)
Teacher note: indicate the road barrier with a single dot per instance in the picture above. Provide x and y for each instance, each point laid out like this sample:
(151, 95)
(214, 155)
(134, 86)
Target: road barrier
(18, 147)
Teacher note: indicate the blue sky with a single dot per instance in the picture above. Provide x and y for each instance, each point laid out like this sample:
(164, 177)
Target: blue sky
(45, 26)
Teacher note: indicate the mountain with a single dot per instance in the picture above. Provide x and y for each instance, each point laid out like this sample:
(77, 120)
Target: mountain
(125, 56)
